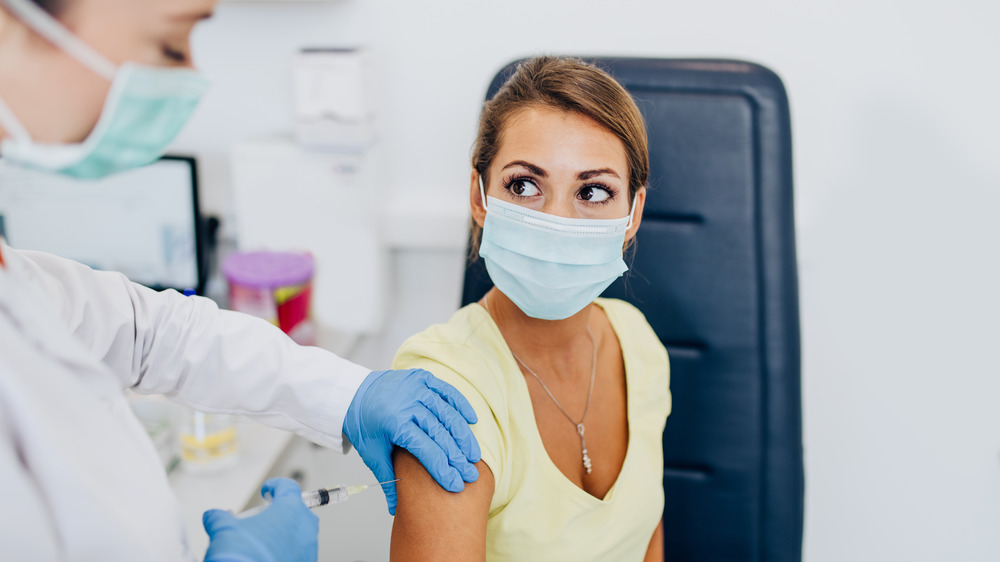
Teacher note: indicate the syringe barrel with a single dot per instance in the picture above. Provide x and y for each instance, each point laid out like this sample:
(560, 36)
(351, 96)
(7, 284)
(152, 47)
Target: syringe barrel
(312, 499)
(338, 494)
(316, 498)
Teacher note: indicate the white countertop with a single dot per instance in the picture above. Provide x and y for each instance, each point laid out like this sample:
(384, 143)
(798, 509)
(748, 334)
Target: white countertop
(232, 487)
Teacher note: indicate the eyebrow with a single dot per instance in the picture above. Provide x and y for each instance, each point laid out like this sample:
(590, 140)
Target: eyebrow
(533, 168)
(592, 173)
(193, 16)
(542, 173)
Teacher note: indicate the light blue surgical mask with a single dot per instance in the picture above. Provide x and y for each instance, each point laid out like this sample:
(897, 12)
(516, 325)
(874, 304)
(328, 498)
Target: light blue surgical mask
(551, 267)
(145, 109)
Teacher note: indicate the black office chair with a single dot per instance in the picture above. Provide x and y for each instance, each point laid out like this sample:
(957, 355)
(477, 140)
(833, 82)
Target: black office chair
(714, 271)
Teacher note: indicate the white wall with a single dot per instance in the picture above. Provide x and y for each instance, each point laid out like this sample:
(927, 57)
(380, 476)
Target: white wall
(898, 187)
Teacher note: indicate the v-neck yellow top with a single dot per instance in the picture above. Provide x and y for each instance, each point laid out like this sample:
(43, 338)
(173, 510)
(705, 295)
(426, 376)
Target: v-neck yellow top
(537, 513)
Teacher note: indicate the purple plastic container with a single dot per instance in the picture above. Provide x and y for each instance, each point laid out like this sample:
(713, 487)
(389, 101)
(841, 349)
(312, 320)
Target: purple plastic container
(268, 270)
(276, 286)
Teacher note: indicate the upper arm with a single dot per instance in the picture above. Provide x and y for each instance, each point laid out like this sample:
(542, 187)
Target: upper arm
(94, 306)
(434, 524)
(654, 552)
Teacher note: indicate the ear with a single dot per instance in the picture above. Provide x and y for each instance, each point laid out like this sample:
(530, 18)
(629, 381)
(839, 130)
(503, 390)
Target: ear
(476, 201)
(640, 204)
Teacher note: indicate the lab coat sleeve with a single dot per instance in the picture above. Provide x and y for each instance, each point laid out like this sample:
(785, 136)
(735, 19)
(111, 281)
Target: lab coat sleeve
(198, 355)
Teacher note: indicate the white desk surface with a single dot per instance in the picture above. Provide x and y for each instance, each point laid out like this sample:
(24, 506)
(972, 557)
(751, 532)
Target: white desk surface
(231, 487)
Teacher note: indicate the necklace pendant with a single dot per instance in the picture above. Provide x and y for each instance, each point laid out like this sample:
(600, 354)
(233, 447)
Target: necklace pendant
(583, 445)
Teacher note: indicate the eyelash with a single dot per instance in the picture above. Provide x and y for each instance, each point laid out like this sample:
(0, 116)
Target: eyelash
(174, 55)
(511, 180)
(612, 193)
(508, 182)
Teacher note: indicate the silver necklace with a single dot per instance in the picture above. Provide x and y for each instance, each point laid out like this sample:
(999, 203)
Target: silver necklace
(593, 371)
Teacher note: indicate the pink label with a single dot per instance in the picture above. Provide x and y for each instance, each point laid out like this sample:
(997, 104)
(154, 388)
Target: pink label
(258, 302)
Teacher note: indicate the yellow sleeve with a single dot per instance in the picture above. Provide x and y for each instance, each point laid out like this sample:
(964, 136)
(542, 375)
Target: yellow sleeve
(648, 352)
(657, 360)
(659, 365)
(446, 362)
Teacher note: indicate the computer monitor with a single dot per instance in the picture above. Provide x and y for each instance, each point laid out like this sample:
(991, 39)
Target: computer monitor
(144, 223)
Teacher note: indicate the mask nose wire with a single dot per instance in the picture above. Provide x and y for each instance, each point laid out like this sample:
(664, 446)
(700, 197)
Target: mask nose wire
(48, 27)
(631, 213)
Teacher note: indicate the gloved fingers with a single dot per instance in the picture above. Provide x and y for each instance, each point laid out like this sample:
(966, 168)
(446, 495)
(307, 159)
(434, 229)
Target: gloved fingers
(432, 456)
(381, 467)
(437, 431)
(214, 520)
(389, 489)
(457, 427)
(281, 488)
(451, 395)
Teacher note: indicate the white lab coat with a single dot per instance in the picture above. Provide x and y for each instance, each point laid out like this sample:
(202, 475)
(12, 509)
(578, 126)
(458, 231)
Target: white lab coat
(79, 478)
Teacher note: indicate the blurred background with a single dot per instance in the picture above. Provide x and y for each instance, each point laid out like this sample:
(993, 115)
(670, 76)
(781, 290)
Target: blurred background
(897, 184)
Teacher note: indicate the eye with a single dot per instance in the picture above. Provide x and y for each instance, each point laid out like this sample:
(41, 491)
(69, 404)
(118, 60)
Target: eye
(175, 55)
(594, 194)
(522, 187)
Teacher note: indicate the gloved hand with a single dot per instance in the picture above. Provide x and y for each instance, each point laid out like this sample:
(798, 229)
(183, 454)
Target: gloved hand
(287, 530)
(420, 413)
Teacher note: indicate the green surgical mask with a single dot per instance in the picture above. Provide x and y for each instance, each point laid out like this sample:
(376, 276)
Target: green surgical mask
(145, 109)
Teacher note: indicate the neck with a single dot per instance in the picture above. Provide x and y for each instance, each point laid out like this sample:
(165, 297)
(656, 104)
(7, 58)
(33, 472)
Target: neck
(560, 347)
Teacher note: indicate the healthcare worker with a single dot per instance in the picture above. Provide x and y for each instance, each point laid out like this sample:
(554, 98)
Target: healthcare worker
(88, 88)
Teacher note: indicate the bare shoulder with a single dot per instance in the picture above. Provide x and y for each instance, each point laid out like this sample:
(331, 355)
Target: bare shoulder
(434, 524)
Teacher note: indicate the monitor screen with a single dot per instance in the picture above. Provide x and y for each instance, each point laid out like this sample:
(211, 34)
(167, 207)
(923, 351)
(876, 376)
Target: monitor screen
(143, 222)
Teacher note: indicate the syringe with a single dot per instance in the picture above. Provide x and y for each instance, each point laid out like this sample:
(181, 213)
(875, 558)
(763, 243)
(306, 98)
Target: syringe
(314, 498)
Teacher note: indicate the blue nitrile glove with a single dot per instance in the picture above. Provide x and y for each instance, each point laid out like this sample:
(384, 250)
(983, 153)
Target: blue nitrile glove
(287, 530)
(420, 413)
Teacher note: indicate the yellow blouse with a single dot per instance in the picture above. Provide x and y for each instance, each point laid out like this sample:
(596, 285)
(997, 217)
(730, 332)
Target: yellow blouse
(536, 513)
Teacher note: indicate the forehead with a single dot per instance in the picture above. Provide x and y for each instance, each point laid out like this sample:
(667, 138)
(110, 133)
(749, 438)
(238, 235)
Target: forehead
(560, 138)
(185, 8)
(161, 11)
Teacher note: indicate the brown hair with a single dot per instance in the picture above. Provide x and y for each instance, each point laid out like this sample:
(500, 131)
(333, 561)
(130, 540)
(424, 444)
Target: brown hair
(568, 84)
(51, 6)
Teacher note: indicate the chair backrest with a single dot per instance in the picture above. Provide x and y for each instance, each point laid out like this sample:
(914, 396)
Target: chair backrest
(714, 272)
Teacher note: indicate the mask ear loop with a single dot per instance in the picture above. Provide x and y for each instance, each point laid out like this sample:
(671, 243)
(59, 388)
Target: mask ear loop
(12, 124)
(631, 214)
(48, 27)
(482, 193)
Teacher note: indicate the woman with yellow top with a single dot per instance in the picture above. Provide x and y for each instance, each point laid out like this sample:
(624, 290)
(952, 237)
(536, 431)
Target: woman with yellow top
(571, 390)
